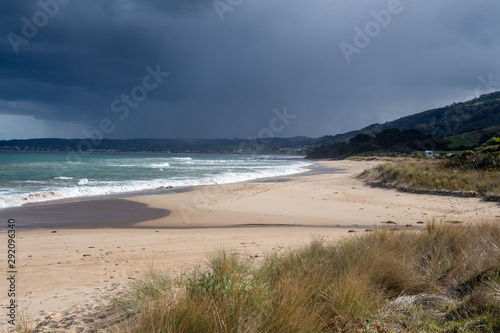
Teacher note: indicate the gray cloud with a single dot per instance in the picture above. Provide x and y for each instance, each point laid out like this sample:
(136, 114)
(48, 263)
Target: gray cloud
(227, 76)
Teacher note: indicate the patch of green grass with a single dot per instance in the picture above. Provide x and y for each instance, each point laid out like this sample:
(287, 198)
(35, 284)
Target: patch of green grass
(470, 139)
(487, 101)
(438, 279)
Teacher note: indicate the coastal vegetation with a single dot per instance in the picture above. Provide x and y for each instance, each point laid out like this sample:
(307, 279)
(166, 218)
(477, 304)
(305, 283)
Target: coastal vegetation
(401, 143)
(486, 157)
(443, 278)
(388, 142)
(471, 173)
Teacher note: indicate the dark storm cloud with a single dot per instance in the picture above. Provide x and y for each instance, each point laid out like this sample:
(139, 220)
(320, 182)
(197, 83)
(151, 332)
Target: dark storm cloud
(229, 67)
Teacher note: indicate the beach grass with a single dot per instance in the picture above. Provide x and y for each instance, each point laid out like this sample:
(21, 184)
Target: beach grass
(432, 176)
(442, 278)
(22, 325)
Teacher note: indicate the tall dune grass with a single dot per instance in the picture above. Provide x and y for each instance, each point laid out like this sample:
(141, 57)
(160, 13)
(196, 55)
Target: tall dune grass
(433, 176)
(447, 276)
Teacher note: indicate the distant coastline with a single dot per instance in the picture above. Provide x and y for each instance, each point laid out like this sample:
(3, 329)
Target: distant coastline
(282, 146)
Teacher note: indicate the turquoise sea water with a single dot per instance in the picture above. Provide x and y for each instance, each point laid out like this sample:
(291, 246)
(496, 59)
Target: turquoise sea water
(43, 176)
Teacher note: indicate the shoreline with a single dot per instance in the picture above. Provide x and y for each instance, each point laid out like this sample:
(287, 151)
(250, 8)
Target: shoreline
(96, 212)
(139, 193)
(60, 268)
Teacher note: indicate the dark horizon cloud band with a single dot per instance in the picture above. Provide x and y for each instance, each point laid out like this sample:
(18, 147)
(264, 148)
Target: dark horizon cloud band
(69, 67)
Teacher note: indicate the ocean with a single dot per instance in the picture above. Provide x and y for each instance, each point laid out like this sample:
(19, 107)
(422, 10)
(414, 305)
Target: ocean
(43, 176)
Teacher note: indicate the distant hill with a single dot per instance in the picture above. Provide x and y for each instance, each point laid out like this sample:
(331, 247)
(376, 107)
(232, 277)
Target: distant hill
(473, 115)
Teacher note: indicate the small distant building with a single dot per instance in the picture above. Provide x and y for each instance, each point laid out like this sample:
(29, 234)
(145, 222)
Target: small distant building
(429, 153)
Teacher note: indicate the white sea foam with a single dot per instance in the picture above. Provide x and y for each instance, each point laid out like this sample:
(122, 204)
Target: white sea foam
(19, 200)
(200, 172)
(83, 181)
(160, 165)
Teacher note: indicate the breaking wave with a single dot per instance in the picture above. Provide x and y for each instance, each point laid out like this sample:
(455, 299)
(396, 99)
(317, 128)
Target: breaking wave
(186, 172)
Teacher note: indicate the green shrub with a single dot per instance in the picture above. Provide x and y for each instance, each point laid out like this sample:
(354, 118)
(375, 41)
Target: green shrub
(476, 160)
(493, 142)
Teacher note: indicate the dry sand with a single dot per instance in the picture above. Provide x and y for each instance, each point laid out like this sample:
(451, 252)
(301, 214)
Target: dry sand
(60, 268)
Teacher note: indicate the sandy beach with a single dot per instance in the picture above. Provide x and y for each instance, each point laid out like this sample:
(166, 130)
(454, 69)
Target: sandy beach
(105, 244)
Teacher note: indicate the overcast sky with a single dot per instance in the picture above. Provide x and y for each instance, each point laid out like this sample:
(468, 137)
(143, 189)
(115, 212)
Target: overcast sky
(237, 68)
